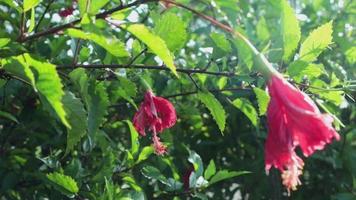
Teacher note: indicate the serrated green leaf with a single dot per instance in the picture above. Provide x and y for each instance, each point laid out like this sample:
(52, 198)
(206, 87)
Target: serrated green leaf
(210, 170)
(225, 174)
(28, 4)
(155, 43)
(77, 118)
(317, 41)
(247, 108)
(290, 30)
(145, 153)
(299, 69)
(9, 116)
(63, 183)
(262, 100)
(172, 30)
(49, 86)
(134, 138)
(110, 44)
(19, 68)
(215, 108)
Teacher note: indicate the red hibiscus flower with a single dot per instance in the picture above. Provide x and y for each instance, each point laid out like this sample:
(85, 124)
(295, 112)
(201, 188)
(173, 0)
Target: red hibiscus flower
(155, 114)
(293, 120)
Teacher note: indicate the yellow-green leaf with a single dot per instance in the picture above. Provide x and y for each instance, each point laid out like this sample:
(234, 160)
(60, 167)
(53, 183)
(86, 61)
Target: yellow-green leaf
(290, 30)
(155, 43)
(215, 108)
(246, 107)
(28, 4)
(317, 41)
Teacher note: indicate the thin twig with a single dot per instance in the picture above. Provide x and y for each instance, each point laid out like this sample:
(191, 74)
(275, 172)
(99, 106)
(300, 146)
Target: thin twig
(77, 48)
(195, 83)
(71, 24)
(139, 66)
(136, 57)
(43, 15)
(240, 89)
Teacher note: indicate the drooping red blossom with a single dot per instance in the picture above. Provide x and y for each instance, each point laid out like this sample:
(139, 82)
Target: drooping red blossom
(155, 114)
(293, 120)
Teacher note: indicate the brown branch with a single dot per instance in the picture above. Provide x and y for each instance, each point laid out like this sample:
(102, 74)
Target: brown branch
(239, 89)
(152, 67)
(71, 24)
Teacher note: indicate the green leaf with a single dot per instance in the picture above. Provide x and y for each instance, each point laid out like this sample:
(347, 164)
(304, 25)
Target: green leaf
(134, 138)
(111, 44)
(245, 54)
(350, 55)
(64, 184)
(81, 81)
(172, 30)
(9, 116)
(290, 30)
(155, 43)
(131, 181)
(77, 118)
(221, 42)
(197, 162)
(44, 79)
(247, 108)
(262, 30)
(299, 69)
(145, 153)
(4, 42)
(49, 86)
(97, 104)
(225, 174)
(19, 68)
(32, 21)
(96, 5)
(28, 4)
(262, 100)
(174, 185)
(91, 7)
(215, 108)
(107, 166)
(210, 170)
(151, 172)
(317, 41)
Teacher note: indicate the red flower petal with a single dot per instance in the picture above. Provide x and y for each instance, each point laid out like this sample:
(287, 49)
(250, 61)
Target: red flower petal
(154, 113)
(293, 120)
(166, 114)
